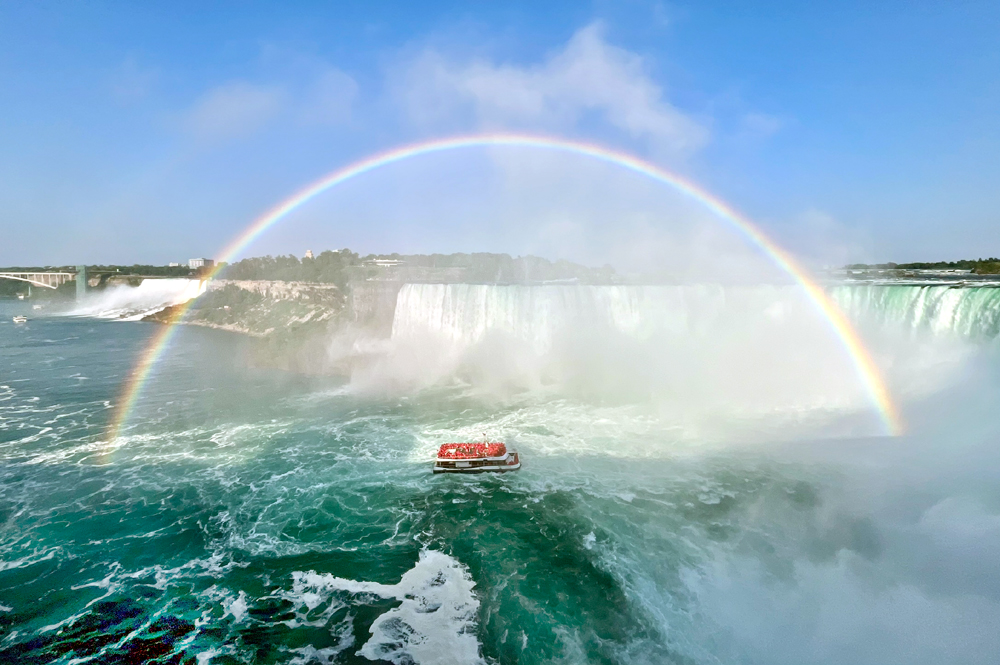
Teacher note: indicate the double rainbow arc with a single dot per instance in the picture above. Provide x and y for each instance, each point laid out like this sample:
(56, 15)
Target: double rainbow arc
(864, 365)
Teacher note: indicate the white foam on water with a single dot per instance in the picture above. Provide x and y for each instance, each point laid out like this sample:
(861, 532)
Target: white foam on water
(75, 452)
(214, 566)
(309, 654)
(328, 655)
(29, 560)
(237, 607)
(434, 623)
(205, 657)
(312, 607)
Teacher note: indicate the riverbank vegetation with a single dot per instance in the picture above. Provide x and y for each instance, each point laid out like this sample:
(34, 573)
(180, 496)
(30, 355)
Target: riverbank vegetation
(990, 266)
(343, 266)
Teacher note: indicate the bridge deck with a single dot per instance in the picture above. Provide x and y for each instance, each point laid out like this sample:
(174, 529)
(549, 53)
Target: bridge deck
(49, 280)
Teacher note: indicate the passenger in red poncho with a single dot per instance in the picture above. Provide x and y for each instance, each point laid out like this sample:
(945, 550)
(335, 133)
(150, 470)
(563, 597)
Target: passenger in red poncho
(471, 450)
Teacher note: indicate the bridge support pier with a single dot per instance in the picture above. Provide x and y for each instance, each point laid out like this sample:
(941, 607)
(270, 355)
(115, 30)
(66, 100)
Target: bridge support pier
(81, 282)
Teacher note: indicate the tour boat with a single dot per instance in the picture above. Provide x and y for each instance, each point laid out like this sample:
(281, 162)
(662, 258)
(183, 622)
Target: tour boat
(20, 319)
(476, 458)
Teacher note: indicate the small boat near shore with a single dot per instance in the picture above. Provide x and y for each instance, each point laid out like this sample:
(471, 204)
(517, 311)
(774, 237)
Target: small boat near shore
(20, 319)
(476, 458)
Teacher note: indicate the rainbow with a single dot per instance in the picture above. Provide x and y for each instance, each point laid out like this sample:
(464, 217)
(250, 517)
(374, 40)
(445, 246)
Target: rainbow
(864, 365)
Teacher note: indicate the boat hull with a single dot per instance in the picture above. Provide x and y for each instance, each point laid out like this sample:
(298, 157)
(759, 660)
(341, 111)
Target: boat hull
(482, 469)
(510, 462)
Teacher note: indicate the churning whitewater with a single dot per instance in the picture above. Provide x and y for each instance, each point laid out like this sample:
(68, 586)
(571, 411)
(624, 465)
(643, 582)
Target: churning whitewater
(132, 303)
(703, 483)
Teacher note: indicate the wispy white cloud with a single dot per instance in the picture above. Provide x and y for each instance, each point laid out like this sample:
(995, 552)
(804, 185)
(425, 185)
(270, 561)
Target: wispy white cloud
(318, 95)
(329, 98)
(760, 125)
(131, 82)
(234, 109)
(662, 17)
(587, 80)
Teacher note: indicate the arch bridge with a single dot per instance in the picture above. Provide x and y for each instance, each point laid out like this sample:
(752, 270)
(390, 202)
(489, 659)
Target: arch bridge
(48, 280)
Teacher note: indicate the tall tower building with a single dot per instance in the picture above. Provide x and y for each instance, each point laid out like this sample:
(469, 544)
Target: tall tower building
(309, 253)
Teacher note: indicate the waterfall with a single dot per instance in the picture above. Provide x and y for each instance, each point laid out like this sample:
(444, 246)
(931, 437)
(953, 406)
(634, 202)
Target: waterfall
(696, 348)
(464, 313)
(972, 312)
(132, 303)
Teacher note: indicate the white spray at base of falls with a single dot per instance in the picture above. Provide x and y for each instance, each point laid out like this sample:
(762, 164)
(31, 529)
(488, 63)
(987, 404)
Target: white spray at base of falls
(710, 356)
(537, 315)
(132, 303)
(693, 350)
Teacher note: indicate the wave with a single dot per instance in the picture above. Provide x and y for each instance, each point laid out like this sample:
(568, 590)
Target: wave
(132, 303)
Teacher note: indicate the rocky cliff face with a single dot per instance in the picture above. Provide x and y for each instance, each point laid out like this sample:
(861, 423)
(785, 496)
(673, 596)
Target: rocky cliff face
(277, 290)
(296, 322)
(262, 308)
(372, 305)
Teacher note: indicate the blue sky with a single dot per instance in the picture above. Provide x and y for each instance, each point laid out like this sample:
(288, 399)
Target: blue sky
(152, 132)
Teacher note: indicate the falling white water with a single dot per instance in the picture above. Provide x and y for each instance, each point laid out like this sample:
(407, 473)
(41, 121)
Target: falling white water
(700, 350)
(937, 309)
(464, 313)
(132, 303)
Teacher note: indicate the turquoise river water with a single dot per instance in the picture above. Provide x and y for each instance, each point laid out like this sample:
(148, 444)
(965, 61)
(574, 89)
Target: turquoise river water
(246, 515)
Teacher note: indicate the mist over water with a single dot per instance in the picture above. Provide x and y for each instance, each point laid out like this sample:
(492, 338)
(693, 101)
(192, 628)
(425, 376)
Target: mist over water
(132, 303)
(589, 231)
(705, 481)
(723, 361)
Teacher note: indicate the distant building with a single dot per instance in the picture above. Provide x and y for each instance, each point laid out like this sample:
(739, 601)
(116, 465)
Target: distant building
(173, 264)
(200, 263)
(309, 253)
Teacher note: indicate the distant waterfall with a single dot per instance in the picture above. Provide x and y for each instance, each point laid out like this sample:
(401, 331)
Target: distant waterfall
(967, 311)
(464, 313)
(132, 303)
